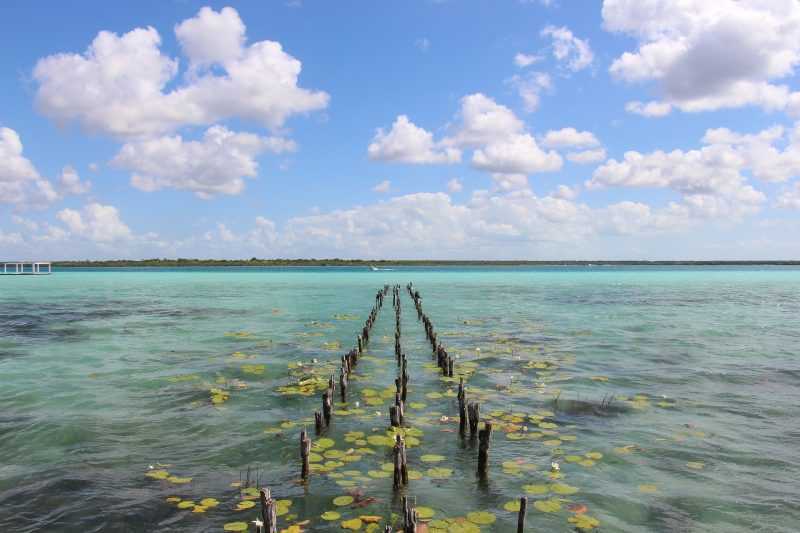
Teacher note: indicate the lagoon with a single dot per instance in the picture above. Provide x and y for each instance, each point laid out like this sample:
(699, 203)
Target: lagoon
(108, 372)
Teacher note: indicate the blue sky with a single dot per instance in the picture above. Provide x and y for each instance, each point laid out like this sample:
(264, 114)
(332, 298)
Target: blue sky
(422, 129)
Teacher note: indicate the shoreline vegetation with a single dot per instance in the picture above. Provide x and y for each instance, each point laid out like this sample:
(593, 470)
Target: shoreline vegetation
(384, 263)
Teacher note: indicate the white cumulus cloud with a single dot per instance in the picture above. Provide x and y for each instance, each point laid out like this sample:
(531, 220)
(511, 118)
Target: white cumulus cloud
(707, 55)
(119, 84)
(408, 143)
(96, 222)
(216, 164)
(569, 49)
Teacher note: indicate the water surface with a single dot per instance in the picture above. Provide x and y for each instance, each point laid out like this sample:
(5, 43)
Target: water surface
(105, 373)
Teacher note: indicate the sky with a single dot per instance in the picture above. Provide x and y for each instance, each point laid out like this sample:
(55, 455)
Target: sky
(436, 129)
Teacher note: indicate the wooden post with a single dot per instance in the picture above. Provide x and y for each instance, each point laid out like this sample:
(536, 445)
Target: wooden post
(394, 416)
(397, 459)
(523, 507)
(462, 409)
(343, 384)
(410, 516)
(318, 422)
(268, 514)
(326, 406)
(305, 450)
(484, 436)
(473, 410)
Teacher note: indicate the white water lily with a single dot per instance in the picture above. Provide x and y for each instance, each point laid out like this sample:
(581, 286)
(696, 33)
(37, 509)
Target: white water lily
(358, 404)
(258, 522)
(554, 467)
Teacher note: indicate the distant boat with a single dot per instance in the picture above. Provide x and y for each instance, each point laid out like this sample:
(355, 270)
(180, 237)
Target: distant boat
(373, 268)
(376, 269)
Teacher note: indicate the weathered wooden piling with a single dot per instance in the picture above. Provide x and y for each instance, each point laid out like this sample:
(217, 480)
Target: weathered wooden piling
(400, 476)
(343, 384)
(318, 422)
(462, 408)
(326, 407)
(394, 416)
(484, 438)
(305, 450)
(410, 516)
(473, 410)
(523, 508)
(268, 512)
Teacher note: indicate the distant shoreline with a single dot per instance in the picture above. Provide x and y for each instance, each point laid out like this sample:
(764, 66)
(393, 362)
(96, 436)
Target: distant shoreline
(172, 263)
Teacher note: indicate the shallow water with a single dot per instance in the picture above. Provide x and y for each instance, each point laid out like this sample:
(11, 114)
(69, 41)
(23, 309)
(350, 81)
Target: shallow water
(106, 373)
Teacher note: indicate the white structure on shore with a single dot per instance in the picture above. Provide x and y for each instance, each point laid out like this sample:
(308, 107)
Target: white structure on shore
(18, 268)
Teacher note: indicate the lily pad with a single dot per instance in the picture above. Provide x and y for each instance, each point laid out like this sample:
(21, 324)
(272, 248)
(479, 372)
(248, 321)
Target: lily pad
(536, 489)
(482, 518)
(432, 458)
(548, 506)
(563, 488)
(330, 515)
(235, 526)
(512, 506)
(340, 501)
(354, 524)
(325, 443)
(648, 488)
(425, 512)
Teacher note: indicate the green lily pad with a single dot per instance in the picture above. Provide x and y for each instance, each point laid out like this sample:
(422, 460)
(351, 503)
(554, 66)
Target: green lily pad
(432, 458)
(235, 526)
(548, 506)
(330, 515)
(425, 512)
(354, 524)
(325, 443)
(563, 488)
(340, 501)
(512, 507)
(482, 518)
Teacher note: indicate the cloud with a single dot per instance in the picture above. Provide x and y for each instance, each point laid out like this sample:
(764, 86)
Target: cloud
(70, 182)
(586, 157)
(708, 55)
(510, 182)
(530, 88)
(96, 222)
(481, 120)
(516, 154)
(408, 143)
(383, 186)
(118, 86)
(216, 164)
(790, 199)
(574, 52)
(20, 182)
(569, 137)
(525, 60)
(454, 185)
(709, 179)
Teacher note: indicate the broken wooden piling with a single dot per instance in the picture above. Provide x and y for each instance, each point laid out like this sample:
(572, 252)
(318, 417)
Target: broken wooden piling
(484, 438)
(523, 508)
(473, 410)
(268, 513)
(305, 450)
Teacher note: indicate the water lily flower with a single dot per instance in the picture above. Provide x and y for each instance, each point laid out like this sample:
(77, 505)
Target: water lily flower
(258, 522)
(554, 467)
(444, 418)
(358, 404)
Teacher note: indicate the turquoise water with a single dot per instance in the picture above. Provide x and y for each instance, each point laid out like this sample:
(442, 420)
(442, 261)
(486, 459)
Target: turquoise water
(107, 373)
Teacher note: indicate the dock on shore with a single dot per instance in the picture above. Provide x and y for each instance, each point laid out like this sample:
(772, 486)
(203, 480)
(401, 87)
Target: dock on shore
(29, 268)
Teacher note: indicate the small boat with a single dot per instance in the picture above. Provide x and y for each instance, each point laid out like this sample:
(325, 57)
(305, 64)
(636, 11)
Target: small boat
(374, 268)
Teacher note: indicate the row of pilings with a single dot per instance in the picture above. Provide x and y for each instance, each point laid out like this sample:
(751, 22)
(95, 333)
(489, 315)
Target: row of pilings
(322, 419)
(468, 412)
